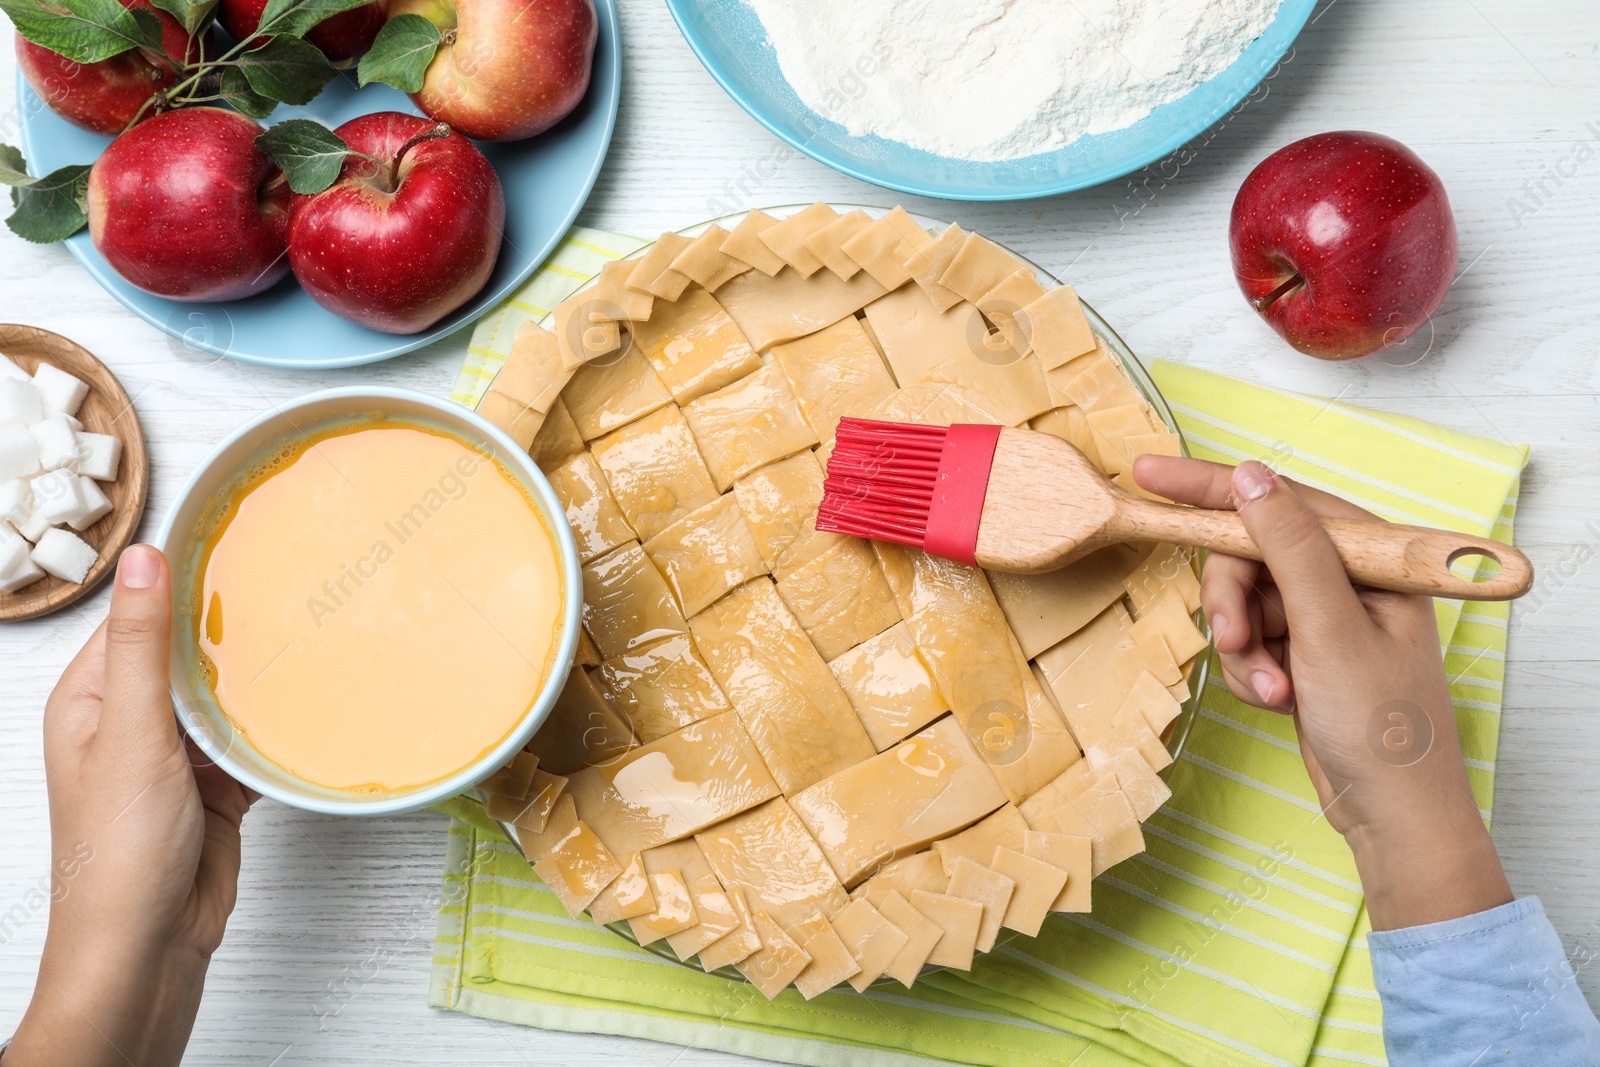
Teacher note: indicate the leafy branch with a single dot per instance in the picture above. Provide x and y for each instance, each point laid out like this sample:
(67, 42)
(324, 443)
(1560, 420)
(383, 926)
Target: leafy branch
(274, 66)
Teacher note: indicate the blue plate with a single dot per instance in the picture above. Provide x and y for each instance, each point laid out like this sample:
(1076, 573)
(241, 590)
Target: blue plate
(729, 39)
(546, 181)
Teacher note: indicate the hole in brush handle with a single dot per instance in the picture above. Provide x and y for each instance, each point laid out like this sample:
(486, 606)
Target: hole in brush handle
(1473, 550)
(1429, 563)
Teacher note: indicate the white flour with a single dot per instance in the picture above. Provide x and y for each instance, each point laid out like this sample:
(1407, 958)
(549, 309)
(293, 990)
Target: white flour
(1001, 79)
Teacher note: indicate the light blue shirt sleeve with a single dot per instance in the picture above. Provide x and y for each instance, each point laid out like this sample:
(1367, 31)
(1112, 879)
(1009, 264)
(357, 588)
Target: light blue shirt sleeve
(1489, 989)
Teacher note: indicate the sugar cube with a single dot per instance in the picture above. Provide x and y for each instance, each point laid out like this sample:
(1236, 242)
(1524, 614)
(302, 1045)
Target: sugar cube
(19, 452)
(16, 500)
(16, 508)
(58, 444)
(20, 402)
(65, 555)
(9, 369)
(23, 574)
(33, 525)
(12, 548)
(58, 497)
(61, 393)
(96, 505)
(72, 420)
(99, 456)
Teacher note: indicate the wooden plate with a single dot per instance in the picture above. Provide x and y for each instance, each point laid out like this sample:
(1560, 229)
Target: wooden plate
(107, 410)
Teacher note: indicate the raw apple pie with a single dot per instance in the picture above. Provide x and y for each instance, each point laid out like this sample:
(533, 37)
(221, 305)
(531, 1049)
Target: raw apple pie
(816, 758)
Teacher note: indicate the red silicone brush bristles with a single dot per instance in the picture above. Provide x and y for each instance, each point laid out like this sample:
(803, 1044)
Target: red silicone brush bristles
(880, 480)
(915, 485)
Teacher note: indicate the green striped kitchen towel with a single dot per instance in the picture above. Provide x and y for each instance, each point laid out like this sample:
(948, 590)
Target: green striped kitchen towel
(1237, 939)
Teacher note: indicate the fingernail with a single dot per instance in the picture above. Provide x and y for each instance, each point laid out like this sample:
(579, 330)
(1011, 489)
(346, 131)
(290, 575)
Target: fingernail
(1219, 625)
(1251, 481)
(139, 567)
(1261, 682)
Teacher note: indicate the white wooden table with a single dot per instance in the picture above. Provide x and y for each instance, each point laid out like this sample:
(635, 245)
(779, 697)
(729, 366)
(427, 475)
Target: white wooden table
(1495, 94)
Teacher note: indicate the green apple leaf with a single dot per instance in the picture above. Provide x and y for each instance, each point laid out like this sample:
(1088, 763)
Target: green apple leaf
(13, 168)
(85, 31)
(401, 53)
(286, 69)
(150, 28)
(309, 154)
(237, 93)
(296, 17)
(194, 15)
(51, 208)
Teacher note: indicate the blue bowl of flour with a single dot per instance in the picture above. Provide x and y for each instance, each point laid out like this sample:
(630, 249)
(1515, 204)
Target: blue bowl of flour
(729, 39)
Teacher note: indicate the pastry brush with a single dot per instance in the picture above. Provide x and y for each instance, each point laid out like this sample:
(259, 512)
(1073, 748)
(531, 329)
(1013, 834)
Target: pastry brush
(1026, 502)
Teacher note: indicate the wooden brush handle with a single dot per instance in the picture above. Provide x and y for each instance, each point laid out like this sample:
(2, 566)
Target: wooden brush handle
(1405, 559)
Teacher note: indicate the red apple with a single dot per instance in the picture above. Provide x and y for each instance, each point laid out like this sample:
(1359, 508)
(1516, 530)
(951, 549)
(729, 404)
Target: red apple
(104, 97)
(1344, 242)
(341, 37)
(399, 246)
(185, 206)
(507, 69)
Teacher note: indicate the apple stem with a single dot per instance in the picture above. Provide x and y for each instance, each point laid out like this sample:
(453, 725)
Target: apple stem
(157, 100)
(439, 130)
(1262, 303)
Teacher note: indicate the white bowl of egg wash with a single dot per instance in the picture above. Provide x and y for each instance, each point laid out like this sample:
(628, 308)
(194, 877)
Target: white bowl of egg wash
(377, 600)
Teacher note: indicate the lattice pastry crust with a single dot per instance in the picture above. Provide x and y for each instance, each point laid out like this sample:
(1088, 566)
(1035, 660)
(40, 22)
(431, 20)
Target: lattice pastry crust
(811, 757)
